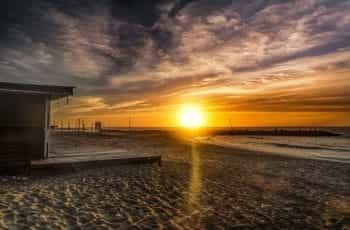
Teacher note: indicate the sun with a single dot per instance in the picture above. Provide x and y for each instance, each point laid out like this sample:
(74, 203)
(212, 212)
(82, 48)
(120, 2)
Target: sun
(191, 116)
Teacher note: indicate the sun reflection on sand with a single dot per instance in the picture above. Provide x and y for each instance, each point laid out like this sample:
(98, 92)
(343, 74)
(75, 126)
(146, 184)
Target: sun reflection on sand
(195, 184)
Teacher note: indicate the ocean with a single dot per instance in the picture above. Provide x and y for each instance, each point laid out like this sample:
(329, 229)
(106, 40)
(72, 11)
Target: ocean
(322, 148)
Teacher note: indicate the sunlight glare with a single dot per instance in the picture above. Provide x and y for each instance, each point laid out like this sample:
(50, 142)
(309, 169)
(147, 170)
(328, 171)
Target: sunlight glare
(191, 116)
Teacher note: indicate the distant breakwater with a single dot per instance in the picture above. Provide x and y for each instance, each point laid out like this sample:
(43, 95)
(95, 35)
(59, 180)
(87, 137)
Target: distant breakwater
(278, 132)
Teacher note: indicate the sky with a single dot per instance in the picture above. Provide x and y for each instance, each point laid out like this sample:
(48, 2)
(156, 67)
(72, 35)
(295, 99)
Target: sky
(245, 62)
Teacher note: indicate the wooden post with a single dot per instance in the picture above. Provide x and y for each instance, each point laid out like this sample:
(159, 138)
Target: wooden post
(46, 128)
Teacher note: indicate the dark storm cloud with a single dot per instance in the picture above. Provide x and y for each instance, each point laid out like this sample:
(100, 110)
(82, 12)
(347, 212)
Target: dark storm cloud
(146, 12)
(127, 26)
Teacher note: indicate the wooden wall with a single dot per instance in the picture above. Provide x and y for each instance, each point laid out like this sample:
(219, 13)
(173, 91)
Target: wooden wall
(22, 123)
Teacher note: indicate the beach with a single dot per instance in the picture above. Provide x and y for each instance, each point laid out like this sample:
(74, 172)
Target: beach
(198, 186)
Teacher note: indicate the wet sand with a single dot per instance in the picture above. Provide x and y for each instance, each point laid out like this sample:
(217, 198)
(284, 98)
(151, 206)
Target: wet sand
(199, 186)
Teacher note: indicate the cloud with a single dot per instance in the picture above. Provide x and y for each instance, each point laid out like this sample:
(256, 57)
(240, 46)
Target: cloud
(141, 55)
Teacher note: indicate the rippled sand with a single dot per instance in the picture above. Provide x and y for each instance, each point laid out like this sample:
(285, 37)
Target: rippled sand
(198, 186)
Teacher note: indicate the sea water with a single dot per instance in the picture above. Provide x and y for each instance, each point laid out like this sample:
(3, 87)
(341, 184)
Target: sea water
(323, 148)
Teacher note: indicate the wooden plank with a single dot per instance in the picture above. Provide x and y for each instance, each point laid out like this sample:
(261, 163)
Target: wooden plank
(97, 159)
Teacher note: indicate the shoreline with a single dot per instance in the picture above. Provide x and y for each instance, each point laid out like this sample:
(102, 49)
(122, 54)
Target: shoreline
(281, 151)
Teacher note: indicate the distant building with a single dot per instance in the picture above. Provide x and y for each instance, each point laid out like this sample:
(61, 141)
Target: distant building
(25, 117)
(53, 127)
(98, 126)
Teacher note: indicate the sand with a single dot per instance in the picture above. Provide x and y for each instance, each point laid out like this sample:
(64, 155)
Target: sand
(198, 187)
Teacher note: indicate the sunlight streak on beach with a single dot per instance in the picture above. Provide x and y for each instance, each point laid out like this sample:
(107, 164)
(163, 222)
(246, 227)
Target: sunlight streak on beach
(195, 185)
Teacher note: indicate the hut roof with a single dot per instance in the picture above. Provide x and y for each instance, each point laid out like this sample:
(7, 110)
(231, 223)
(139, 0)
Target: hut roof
(52, 91)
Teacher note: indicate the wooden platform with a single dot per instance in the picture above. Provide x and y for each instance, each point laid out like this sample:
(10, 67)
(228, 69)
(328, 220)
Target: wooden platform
(95, 158)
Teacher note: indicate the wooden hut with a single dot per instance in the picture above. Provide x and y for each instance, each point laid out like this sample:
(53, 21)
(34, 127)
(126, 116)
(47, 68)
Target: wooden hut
(25, 119)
